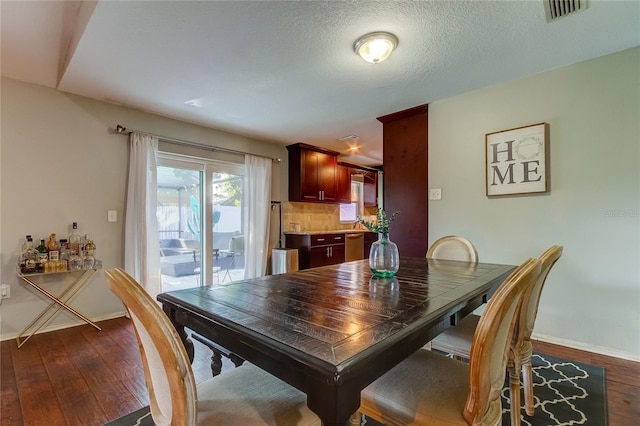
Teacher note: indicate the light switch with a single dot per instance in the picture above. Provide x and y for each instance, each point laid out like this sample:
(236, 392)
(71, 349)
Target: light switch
(112, 216)
(435, 194)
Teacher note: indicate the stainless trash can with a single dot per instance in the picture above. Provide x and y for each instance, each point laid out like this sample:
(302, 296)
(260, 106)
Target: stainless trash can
(284, 260)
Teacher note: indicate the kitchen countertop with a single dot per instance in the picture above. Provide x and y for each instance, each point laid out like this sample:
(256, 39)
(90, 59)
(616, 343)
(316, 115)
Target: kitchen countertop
(334, 231)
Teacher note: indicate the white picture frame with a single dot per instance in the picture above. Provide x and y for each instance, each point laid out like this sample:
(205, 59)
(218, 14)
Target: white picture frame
(516, 161)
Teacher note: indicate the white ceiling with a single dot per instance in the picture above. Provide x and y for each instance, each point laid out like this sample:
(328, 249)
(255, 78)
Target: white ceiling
(285, 71)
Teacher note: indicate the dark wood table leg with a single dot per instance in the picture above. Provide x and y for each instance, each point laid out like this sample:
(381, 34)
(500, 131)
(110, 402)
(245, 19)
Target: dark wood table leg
(335, 406)
(216, 363)
(184, 337)
(217, 353)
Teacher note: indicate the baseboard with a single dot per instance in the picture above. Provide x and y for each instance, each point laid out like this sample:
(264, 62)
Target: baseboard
(586, 347)
(56, 327)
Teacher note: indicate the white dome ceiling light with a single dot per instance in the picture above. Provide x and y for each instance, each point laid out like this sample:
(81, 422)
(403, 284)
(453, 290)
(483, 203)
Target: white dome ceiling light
(375, 47)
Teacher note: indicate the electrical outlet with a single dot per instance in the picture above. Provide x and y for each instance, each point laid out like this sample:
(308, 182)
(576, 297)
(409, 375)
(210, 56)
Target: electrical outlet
(112, 216)
(5, 291)
(435, 194)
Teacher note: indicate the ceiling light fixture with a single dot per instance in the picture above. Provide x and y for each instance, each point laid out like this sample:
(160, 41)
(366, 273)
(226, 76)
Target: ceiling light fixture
(375, 47)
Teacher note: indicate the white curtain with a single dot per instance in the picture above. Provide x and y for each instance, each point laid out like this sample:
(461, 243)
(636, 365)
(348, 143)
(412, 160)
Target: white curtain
(141, 245)
(257, 202)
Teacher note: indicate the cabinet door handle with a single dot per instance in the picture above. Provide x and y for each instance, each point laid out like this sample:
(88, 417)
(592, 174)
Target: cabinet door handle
(320, 239)
(330, 251)
(337, 238)
(328, 255)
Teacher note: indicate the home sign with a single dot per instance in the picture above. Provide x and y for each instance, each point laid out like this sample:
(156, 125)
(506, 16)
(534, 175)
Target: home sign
(516, 160)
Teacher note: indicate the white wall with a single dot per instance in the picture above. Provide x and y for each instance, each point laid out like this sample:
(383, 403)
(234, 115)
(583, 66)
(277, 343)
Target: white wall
(592, 297)
(61, 164)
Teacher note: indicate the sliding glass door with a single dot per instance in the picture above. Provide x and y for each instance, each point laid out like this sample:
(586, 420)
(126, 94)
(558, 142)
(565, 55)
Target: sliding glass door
(227, 191)
(199, 211)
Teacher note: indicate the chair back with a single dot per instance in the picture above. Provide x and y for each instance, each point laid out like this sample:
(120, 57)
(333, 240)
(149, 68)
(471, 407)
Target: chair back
(491, 342)
(529, 310)
(453, 247)
(167, 371)
(236, 244)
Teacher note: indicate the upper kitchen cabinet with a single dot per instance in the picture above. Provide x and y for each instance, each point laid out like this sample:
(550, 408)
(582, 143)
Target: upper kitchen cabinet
(404, 154)
(369, 178)
(313, 174)
(370, 188)
(344, 183)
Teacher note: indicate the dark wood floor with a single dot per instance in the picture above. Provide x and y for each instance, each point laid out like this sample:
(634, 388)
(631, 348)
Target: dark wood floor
(84, 377)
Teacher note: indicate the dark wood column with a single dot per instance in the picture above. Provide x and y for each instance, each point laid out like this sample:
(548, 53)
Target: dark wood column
(405, 155)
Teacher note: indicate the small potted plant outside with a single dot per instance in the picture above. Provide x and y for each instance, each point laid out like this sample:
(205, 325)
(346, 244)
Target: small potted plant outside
(384, 259)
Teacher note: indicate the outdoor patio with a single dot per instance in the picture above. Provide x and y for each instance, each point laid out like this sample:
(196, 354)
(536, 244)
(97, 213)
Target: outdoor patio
(170, 283)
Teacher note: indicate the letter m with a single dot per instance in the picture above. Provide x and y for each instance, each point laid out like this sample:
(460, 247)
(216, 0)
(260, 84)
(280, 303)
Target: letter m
(501, 177)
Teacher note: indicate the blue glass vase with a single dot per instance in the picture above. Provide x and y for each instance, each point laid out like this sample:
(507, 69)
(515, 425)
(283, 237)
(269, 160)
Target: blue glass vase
(384, 259)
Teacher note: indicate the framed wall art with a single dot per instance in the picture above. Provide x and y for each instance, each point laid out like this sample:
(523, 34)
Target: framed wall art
(516, 160)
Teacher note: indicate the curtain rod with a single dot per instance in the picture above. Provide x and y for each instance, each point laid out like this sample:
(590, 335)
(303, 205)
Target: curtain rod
(121, 130)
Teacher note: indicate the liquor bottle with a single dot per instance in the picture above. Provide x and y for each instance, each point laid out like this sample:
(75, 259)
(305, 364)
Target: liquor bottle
(42, 247)
(75, 262)
(74, 238)
(43, 256)
(22, 260)
(88, 260)
(30, 256)
(25, 246)
(65, 252)
(53, 248)
(89, 246)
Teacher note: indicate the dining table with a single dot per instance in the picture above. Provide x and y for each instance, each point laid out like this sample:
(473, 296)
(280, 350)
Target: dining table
(331, 331)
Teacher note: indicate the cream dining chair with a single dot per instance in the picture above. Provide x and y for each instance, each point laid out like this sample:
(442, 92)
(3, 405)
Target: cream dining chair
(431, 389)
(457, 340)
(453, 247)
(245, 395)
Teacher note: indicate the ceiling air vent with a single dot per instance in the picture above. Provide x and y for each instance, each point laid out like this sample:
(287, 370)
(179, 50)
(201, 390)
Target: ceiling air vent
(555, 9)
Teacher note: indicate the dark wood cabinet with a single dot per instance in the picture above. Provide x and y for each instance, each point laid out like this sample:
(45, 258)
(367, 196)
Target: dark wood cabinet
(317, 250)
(344, 183)
(404, 153)
(329, 255)
(370, 180)
(312, 174)
(370, 188)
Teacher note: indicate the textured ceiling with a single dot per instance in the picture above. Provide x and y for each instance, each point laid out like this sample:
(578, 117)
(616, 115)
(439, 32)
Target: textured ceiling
(285, 71)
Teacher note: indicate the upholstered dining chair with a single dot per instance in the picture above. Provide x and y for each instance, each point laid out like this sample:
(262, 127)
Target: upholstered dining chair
(453, 247)
(244, 395)
(428, 388)
(457, 340)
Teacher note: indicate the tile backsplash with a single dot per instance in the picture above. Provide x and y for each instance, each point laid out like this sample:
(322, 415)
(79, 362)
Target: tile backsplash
(315, 216)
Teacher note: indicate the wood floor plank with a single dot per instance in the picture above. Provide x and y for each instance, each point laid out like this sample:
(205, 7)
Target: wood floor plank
(104, 378)
(37, 401)
(76, 396)
(10, 414)
(122, 333)
(622, 378)
(623, 403)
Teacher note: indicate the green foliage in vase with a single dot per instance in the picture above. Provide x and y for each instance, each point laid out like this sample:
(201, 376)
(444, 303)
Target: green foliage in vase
(383, 223)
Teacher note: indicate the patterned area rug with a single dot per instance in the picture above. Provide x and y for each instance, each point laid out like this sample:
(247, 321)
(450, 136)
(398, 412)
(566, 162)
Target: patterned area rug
(566, 393)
